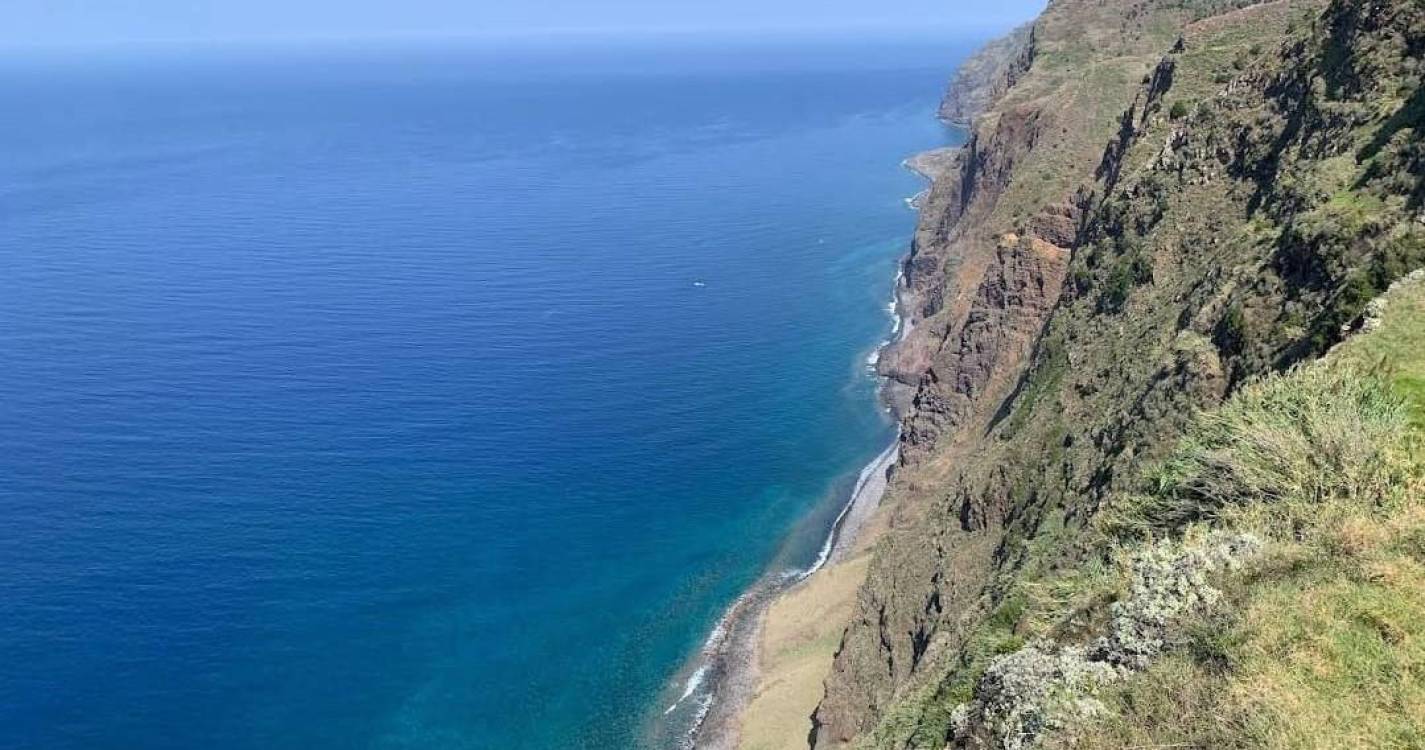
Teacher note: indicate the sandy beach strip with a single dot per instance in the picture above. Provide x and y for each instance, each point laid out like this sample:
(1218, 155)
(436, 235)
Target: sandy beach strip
(763, 667)
(800, 631)
(740, 664)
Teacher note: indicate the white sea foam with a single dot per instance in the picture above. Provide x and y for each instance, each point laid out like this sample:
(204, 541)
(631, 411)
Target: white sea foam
(714, 645)
(711, 646)
(903, 324)
(893, 310)
(879, 464)
(695, 681)
(893, 306)
(704, 706)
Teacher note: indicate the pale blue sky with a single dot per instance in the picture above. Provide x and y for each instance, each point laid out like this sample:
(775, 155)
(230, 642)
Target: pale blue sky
(46, 23)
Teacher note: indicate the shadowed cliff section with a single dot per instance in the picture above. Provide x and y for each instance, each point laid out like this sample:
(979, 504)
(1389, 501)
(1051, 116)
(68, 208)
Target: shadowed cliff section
(1165, 200)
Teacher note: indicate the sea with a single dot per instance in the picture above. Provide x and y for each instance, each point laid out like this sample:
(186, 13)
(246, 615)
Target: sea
(429, 396)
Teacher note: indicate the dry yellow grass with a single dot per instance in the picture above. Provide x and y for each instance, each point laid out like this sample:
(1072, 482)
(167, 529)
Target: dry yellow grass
(801, 632)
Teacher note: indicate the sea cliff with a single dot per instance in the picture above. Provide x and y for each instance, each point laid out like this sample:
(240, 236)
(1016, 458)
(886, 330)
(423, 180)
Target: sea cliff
(1141, 306)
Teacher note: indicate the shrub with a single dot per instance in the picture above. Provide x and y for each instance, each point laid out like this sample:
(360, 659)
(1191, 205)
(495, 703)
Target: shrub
(1231, 333)
(1319, 642)
(1167, 581)
(1179, 110)
(1041, 688)
(1034, 689)
(1131, 270)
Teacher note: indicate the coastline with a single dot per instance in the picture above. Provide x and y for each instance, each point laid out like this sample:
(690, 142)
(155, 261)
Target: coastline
(724, 678)
(929, 165)
(790, 636)
(725, 675)
(728, 685)
(731, 657)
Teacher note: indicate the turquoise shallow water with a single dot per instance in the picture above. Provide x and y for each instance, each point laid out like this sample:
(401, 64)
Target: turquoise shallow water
(427, 400)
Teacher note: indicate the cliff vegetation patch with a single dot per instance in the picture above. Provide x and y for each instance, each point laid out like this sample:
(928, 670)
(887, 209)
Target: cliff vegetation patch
(1270, 584)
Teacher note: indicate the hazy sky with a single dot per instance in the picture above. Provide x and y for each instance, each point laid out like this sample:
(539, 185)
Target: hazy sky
(45, 23)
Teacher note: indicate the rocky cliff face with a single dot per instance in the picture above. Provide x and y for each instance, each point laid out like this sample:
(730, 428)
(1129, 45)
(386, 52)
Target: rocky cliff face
(1161, 200)
(986, 75)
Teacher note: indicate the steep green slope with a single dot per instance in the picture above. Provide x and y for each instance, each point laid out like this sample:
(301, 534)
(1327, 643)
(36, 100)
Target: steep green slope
(1261, 182)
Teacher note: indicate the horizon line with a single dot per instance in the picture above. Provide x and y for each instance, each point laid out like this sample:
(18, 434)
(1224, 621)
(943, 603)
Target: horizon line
(520, 37)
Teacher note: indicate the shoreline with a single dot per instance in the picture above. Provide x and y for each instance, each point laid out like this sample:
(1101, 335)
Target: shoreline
(724, 677)
(724, 674)
(791, 635)
(730, 668)
(729, 673)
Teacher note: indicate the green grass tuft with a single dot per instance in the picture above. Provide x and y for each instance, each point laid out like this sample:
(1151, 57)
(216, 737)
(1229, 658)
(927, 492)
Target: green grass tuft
(1280, 450)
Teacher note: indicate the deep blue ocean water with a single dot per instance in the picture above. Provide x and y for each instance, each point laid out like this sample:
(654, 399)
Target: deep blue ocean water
(440, 399)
